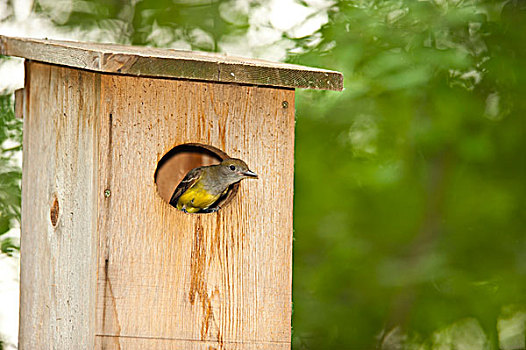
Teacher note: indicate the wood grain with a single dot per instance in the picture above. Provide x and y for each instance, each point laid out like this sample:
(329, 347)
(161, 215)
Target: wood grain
(58, 241)
(106, 262)
(156, 62)
(199, 281)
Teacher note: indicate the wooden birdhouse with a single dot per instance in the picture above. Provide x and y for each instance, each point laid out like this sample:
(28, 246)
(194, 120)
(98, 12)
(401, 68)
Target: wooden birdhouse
(109, 132)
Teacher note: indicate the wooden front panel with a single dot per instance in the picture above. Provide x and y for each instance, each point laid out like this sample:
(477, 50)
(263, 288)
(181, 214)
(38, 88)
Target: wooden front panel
(58, 241)
(167, 279)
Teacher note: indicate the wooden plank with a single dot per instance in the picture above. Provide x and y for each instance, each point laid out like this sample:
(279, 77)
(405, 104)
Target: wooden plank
(167, 279)
(156, 62)
(58, 241)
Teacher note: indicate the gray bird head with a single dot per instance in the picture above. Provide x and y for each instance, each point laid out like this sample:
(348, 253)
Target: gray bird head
(235, 170)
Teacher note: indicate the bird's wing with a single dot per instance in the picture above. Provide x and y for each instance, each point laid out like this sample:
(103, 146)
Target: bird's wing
(188, 181)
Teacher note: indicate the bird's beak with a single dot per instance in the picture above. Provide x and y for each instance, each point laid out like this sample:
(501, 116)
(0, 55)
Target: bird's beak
(250, 173)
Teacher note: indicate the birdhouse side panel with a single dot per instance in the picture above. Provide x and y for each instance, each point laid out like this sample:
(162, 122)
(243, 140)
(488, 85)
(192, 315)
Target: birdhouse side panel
(194, 281)
(58, 243)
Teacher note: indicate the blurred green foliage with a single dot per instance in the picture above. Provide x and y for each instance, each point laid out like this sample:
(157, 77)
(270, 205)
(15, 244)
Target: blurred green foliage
(410, 184)
(10, 173)
(419, 168)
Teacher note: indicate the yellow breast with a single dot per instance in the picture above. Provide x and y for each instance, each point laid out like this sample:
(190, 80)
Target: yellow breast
(196, 198)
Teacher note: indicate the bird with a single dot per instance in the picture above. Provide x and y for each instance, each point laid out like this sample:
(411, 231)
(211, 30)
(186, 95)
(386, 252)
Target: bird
(202, 187)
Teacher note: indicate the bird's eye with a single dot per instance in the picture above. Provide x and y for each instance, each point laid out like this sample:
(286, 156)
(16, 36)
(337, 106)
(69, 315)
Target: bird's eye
(232, 168)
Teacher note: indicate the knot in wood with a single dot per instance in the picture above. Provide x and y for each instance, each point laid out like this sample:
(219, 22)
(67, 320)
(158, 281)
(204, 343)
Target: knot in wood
(53, 213)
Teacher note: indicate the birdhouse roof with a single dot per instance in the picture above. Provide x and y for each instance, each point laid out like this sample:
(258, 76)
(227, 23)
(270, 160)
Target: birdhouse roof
(170, 63)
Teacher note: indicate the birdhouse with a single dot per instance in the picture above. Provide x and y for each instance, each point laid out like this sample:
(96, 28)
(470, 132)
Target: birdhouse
(109, 133)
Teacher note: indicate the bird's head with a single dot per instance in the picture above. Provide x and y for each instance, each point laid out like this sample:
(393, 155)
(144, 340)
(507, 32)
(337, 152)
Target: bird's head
(235, 170)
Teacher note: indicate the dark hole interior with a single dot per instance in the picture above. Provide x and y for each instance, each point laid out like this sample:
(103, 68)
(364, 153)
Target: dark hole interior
(174, 165)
